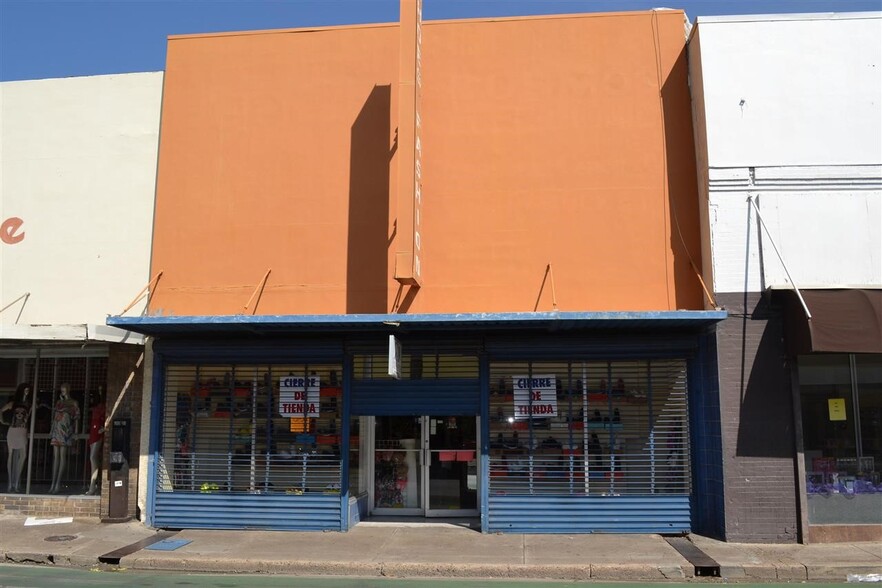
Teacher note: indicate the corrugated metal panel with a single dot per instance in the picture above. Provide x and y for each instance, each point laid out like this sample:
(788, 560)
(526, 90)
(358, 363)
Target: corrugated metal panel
(308, 512)
(589, 514)
(401, 398)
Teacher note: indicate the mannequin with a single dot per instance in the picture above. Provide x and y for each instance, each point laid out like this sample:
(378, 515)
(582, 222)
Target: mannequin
(65, 415)
(17, 435)
(96, 439)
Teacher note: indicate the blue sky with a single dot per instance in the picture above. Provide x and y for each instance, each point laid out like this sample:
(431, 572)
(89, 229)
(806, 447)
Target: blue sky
(59, 38)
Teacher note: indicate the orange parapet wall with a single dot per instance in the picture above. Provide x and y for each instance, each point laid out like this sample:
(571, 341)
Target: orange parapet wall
(561, 140)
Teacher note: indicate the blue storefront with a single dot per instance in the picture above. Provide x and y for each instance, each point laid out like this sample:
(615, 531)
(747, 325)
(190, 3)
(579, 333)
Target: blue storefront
(558, 422)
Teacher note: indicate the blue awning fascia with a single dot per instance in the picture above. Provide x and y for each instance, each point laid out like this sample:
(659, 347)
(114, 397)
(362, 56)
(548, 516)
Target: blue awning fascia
(555, 320)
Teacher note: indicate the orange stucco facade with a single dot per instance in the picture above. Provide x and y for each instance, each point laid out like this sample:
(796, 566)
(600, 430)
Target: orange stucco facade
(560, 140)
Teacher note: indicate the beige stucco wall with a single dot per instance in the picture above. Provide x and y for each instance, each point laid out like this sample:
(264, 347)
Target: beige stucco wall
(78, 166)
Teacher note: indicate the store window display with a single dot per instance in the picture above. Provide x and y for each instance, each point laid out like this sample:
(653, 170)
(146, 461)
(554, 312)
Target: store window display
(841, 398)
(65, 418)
(16, 414)
(55, 397)
(96, 440)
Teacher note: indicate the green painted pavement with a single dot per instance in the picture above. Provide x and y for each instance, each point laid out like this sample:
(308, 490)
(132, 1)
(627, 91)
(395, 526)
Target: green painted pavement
(21, 576)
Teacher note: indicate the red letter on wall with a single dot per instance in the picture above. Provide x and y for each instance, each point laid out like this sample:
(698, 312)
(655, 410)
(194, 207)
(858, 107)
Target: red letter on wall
(8, 230)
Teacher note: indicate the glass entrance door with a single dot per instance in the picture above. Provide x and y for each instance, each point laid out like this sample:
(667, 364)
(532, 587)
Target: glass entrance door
(398, 465)
(451, 466)
(425, 466)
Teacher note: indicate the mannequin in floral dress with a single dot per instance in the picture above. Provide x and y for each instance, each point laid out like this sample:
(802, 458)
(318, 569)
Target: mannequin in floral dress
(65, 415)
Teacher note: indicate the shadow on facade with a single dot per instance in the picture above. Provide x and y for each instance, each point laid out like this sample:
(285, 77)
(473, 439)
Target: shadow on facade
(367, 251)
(682, 185)
(765, 427)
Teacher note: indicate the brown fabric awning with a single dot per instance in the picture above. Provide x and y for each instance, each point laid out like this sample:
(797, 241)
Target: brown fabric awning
(847, 320)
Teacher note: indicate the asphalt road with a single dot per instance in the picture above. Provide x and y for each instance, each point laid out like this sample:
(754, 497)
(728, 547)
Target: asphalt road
(19, 576)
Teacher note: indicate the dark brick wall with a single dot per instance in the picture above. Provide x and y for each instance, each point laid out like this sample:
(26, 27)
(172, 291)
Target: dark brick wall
(756, 404)
(78, 507)
(125, 380)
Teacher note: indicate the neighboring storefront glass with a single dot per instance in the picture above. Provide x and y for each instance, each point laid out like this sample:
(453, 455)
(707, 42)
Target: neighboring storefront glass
(256, 429)
(841, 398)
(589, 428)
(58, 399)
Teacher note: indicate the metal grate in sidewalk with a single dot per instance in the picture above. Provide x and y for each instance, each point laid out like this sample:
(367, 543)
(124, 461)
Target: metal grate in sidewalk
(114, 556)
(704, 564)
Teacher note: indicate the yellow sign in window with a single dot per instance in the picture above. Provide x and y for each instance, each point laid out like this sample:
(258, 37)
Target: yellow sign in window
(837, 409)
(299, 425)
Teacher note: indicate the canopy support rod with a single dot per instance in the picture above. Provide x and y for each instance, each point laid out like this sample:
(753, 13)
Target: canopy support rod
(26, 295)
(553, 294)
(257, 292)
(148, 288)
(781, 259)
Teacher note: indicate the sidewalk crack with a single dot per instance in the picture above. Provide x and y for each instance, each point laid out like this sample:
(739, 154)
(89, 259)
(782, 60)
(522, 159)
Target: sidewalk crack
(877, 554)
(381, 549)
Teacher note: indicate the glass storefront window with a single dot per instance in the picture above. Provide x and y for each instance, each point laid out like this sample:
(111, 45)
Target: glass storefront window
(251, 428)
(63, 395)
(841, 398)
(599, 428)
(869, 396)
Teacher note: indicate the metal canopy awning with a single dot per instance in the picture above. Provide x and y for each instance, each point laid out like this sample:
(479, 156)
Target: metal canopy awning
(843, 320)
(540, 321)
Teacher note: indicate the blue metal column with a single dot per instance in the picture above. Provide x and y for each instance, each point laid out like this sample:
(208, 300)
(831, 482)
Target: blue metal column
(156, 416)
(345, 443)
(707, 499)
(484, 376)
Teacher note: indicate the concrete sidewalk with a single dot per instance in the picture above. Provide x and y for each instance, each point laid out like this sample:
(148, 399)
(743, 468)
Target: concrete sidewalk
(433, 550)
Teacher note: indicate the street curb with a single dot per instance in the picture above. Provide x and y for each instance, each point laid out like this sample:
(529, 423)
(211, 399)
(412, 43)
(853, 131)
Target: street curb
(412, 570)
(24, 557)
(838, 573)
(637, 572)
(68, 560)
(746, 572)
(791, 572)
(760, 573)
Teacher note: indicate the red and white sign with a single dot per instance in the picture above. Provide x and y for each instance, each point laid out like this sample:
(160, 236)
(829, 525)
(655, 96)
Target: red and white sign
(534, 396)
(299, 396)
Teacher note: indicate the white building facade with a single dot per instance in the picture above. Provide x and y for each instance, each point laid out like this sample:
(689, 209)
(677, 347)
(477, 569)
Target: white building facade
(788, 123)
(78, 160)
